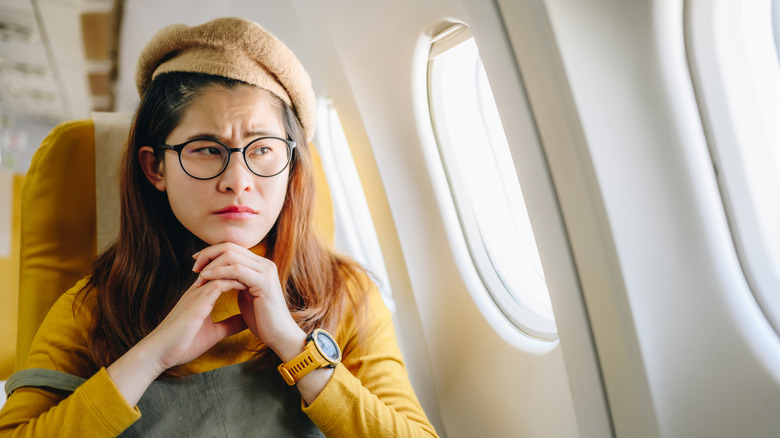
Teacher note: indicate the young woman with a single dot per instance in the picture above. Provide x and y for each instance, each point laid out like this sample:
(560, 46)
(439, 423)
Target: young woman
(212, 313)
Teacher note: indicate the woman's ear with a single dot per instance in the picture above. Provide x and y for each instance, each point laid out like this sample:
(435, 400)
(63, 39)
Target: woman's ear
(151, 167)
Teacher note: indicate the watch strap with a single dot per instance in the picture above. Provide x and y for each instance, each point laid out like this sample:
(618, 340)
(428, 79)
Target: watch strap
(309, 360)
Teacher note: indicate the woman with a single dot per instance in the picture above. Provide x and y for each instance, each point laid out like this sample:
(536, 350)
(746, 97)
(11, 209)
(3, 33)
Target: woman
(206, 316)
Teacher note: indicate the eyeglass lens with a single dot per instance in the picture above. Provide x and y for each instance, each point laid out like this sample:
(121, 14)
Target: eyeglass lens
(207, 159)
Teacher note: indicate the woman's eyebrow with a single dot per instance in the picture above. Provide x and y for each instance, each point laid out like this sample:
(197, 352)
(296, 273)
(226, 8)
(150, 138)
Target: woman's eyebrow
(261, 133)
(208, 136)
(247, 134)
(201, 135)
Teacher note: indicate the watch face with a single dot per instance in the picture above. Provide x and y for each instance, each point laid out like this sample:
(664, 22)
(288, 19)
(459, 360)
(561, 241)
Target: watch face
(328, 346)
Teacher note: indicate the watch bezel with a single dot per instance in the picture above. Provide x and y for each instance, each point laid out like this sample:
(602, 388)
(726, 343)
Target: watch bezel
(313, 337)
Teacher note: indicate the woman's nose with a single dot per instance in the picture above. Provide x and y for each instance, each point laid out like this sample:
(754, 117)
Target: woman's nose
(237, 177)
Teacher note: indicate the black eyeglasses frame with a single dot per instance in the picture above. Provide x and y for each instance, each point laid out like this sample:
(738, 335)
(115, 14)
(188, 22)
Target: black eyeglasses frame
(179, 147)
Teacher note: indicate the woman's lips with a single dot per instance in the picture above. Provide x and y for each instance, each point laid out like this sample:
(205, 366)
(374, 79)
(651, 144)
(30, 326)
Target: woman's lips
(236, 212)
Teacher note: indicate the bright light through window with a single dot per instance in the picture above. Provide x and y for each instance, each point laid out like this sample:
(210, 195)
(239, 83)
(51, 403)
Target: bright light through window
(484, 183)
(761, 150)
(735, 64)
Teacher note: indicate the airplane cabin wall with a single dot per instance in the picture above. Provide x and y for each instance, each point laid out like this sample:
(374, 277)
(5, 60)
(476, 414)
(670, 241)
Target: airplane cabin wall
(487, 378)
(709, 359)
(659, 333)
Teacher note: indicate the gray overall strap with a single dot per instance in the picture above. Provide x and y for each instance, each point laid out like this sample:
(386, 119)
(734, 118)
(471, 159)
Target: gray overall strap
(42, 378)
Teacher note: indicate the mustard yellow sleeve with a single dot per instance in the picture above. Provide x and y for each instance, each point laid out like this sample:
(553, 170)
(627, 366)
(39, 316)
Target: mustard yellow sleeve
(369, 393)
(95, 409)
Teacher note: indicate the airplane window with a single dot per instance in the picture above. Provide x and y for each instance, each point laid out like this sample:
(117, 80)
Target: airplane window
(737, 76)
(484, 183)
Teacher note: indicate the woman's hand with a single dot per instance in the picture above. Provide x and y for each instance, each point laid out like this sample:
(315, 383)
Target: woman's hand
(261, 299)
(186, 333)
(263, 305)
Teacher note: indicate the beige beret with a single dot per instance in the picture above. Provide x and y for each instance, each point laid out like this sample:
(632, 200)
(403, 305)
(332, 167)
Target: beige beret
(234, 48)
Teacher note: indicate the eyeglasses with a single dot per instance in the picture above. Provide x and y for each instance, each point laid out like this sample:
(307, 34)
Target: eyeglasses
(206, 159)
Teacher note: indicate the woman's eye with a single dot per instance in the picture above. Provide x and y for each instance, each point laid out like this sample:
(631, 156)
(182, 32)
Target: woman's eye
(207, 150)
(261, 150)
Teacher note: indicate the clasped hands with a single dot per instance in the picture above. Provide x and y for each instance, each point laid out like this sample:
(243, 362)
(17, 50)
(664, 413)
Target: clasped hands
(188, 330)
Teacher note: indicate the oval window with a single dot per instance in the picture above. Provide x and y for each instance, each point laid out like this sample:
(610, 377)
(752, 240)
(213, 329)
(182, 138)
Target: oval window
(734, 61)
(484, 183)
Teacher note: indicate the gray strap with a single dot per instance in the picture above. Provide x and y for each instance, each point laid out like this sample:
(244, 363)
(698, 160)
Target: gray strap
(41, 377)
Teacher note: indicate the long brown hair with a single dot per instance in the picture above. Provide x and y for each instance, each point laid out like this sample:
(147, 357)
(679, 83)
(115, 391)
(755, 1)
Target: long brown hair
(140, 277)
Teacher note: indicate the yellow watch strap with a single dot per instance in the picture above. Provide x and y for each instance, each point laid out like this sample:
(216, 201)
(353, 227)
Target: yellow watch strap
(309, 360)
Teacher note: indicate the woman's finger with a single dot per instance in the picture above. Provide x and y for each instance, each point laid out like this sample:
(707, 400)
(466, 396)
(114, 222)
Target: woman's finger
(252, 277)
(213, 253)
(236, 259)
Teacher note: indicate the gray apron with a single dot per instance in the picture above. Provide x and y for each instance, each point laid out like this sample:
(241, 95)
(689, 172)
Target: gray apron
(225, 402)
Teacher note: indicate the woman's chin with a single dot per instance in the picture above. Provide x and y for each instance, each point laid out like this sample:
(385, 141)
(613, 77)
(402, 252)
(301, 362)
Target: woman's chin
(241, 241)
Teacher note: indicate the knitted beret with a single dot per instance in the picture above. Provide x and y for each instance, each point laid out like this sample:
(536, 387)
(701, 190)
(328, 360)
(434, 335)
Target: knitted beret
(234, 48)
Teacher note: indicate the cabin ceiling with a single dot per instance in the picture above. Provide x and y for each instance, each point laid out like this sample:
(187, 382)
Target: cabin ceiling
(56, 58)
(62, 59)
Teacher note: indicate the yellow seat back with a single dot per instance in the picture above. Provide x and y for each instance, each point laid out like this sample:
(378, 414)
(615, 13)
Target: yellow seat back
(11, 185)
(57, 242)
(60, 232)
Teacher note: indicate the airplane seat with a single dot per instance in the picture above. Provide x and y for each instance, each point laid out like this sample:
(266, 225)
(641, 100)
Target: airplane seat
(74, 170)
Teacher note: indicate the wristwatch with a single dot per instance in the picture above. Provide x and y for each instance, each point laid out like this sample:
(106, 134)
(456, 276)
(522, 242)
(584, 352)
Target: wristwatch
(321, 351)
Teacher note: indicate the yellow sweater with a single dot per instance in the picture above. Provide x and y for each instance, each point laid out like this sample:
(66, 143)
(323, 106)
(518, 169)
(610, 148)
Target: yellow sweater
(368, 395)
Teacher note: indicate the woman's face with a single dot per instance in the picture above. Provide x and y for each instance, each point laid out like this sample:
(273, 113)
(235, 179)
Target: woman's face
(237, 206)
